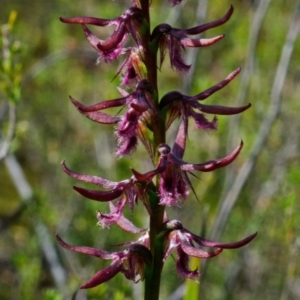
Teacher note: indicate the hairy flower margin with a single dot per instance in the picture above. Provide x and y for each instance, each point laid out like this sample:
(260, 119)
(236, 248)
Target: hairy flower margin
(146, 119)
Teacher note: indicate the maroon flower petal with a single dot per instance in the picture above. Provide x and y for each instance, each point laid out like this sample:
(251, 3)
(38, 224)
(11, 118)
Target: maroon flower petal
(209, 165)
(127, 127)
(99, 106)
(202, 122)
(162, 165)
(126, 145)
(204, 27)
(109, 49)
(92, 39)
(100, 195)
(97, 116)
(88, 178)
(114, 41)
(192, 251)
(187, 42)
(170, 98)
(205, 94)
(220, 110)
(208, 243)
(173, 243)
(168, 198)
(149, 175)
(101, 118)
(104, 275)
(182, 267)
(119, 219)
(88, 20)
(115, 214)
(88, 250)
(109, 44)
(177, 62)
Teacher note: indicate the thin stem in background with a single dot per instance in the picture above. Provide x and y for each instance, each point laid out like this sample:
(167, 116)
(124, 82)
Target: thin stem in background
(6, 142)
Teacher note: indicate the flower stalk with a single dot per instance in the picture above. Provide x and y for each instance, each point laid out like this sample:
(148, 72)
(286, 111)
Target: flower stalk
(146, 119)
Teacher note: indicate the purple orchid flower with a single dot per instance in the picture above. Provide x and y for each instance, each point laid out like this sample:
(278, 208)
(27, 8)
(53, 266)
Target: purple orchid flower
(138, 103)
(173, 170)
(182, 240)
(178, 105)
(147, 120)
(127, 191)
(173, 39)
(128, 23)
(131, 262)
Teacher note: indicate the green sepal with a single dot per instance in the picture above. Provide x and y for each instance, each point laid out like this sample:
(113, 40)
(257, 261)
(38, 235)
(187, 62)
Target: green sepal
(139, 66)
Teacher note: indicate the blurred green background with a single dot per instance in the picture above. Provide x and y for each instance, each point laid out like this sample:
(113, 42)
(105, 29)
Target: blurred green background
(258, 192)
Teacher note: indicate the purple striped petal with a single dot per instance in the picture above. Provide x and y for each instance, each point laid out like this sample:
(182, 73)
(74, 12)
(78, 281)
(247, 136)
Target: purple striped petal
(104, 275)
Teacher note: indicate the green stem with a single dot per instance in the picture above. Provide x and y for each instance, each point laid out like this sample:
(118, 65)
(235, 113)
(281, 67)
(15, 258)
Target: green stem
(153, 271)
(144, 5)
(153, 275)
